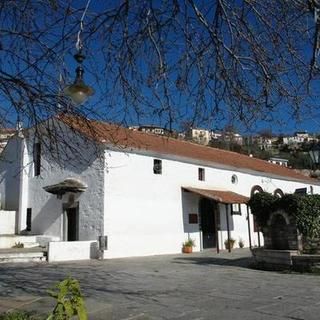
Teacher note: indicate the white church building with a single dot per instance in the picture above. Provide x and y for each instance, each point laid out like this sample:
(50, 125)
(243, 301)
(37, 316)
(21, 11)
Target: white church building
(138, 193)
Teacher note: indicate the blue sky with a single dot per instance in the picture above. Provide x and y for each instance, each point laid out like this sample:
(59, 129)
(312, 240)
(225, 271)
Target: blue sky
(113, 106)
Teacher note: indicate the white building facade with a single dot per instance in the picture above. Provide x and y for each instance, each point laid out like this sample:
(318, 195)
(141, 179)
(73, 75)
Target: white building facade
(144, 197)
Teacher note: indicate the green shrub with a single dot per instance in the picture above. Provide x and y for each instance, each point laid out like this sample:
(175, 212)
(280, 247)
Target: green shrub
(308, 216)
(262, 205)
(304, 208)
(69, 301)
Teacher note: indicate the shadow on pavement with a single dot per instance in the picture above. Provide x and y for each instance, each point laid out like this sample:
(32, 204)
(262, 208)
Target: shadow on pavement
(239, 262)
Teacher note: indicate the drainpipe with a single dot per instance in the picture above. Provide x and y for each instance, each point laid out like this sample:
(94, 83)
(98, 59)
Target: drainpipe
(249, 229)
(23, 189)
(228, 227)
(217, 227)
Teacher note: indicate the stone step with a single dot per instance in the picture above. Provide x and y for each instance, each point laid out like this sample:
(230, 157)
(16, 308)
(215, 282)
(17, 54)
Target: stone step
(23, 255)
(28, 245)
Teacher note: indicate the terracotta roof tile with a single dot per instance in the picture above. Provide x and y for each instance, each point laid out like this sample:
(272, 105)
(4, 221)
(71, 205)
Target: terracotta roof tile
(129, 139)
(219, 196)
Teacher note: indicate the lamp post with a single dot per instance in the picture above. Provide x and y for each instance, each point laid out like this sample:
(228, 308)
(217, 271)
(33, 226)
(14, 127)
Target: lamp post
(314, 154)
(79, 92)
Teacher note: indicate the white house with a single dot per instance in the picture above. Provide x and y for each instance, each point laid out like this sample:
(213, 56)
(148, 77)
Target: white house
(279, 161)
(198, 135)
(143, 194)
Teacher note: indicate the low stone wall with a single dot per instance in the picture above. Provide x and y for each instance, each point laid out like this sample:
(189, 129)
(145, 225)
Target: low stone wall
(7, 222)
(306, 263)
(72, 250)
(311, 246)
(273, 258)
(285, 259)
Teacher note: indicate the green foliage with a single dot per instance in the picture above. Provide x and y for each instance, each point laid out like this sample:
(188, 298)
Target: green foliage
(18, 245)
(69, 301)
(300, 160)
(17, 315)
(189, 243)
(308, 216)
(262, 204)
(304, 208)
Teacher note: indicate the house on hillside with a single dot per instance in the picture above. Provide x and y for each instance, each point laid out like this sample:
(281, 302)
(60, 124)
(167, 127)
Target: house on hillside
(139, 193)
(198, 135)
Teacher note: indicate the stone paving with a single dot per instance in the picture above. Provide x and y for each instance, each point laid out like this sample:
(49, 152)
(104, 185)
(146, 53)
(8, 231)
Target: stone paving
(197, 286)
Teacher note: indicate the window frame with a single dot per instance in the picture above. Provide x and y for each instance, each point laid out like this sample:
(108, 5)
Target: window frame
(201, 174)
(157, 166)
(37, 159)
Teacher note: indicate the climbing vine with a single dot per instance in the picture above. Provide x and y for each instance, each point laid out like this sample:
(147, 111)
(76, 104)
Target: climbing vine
(304, 208)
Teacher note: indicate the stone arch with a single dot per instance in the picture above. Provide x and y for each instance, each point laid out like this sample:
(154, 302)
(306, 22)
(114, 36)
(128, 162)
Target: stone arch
(256, 189)
(278, 193)
(279, 230)
(284, 215)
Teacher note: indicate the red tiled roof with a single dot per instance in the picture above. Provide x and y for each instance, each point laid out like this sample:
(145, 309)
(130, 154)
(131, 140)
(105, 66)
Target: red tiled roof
(129, 139)
(219, 196)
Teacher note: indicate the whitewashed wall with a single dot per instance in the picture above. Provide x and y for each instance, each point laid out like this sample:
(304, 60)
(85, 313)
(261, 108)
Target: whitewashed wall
(10, 170)
(72, 250)
(144, 211)
(7, 222)
(47, 209)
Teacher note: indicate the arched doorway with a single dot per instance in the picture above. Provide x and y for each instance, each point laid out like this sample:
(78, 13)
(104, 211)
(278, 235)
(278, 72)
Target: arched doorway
(279, 233)
(207, 210)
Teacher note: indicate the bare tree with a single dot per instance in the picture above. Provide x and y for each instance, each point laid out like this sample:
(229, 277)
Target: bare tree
(165, 62)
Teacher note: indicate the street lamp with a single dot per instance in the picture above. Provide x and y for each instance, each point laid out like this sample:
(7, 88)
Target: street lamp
(314, 154)
(78, 92)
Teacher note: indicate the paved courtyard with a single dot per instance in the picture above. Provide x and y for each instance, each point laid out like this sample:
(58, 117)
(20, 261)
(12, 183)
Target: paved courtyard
(198, 286)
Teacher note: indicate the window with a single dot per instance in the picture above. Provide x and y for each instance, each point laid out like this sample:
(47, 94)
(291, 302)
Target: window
(37, 158)
(157, 166)
(234, 179)
(29, 218)
(201, 174)
(301, 191)
(193, 218)
(236, 209)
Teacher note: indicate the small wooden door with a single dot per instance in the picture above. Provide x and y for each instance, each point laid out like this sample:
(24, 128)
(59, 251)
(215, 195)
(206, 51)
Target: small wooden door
(71, 224)
(208, 226)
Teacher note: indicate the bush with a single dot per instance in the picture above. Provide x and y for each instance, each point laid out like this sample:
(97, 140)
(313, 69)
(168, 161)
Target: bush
(69, 303)
(304, 208)
(262, 205)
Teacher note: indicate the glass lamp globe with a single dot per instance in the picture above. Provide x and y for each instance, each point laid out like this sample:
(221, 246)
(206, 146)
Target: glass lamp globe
(78, 92)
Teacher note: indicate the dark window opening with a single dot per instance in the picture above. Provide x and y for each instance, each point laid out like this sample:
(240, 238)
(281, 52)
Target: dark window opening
(157, 166)
(29, 218)
(201, 174)
(301, 191)
(37, 158)
(193, 218)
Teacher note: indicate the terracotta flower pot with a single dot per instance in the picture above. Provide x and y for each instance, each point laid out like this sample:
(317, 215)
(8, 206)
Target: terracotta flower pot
(186, 249)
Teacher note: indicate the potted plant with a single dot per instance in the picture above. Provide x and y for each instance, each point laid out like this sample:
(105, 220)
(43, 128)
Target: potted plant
(231, 241)
(241, 243)
(188, 245)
